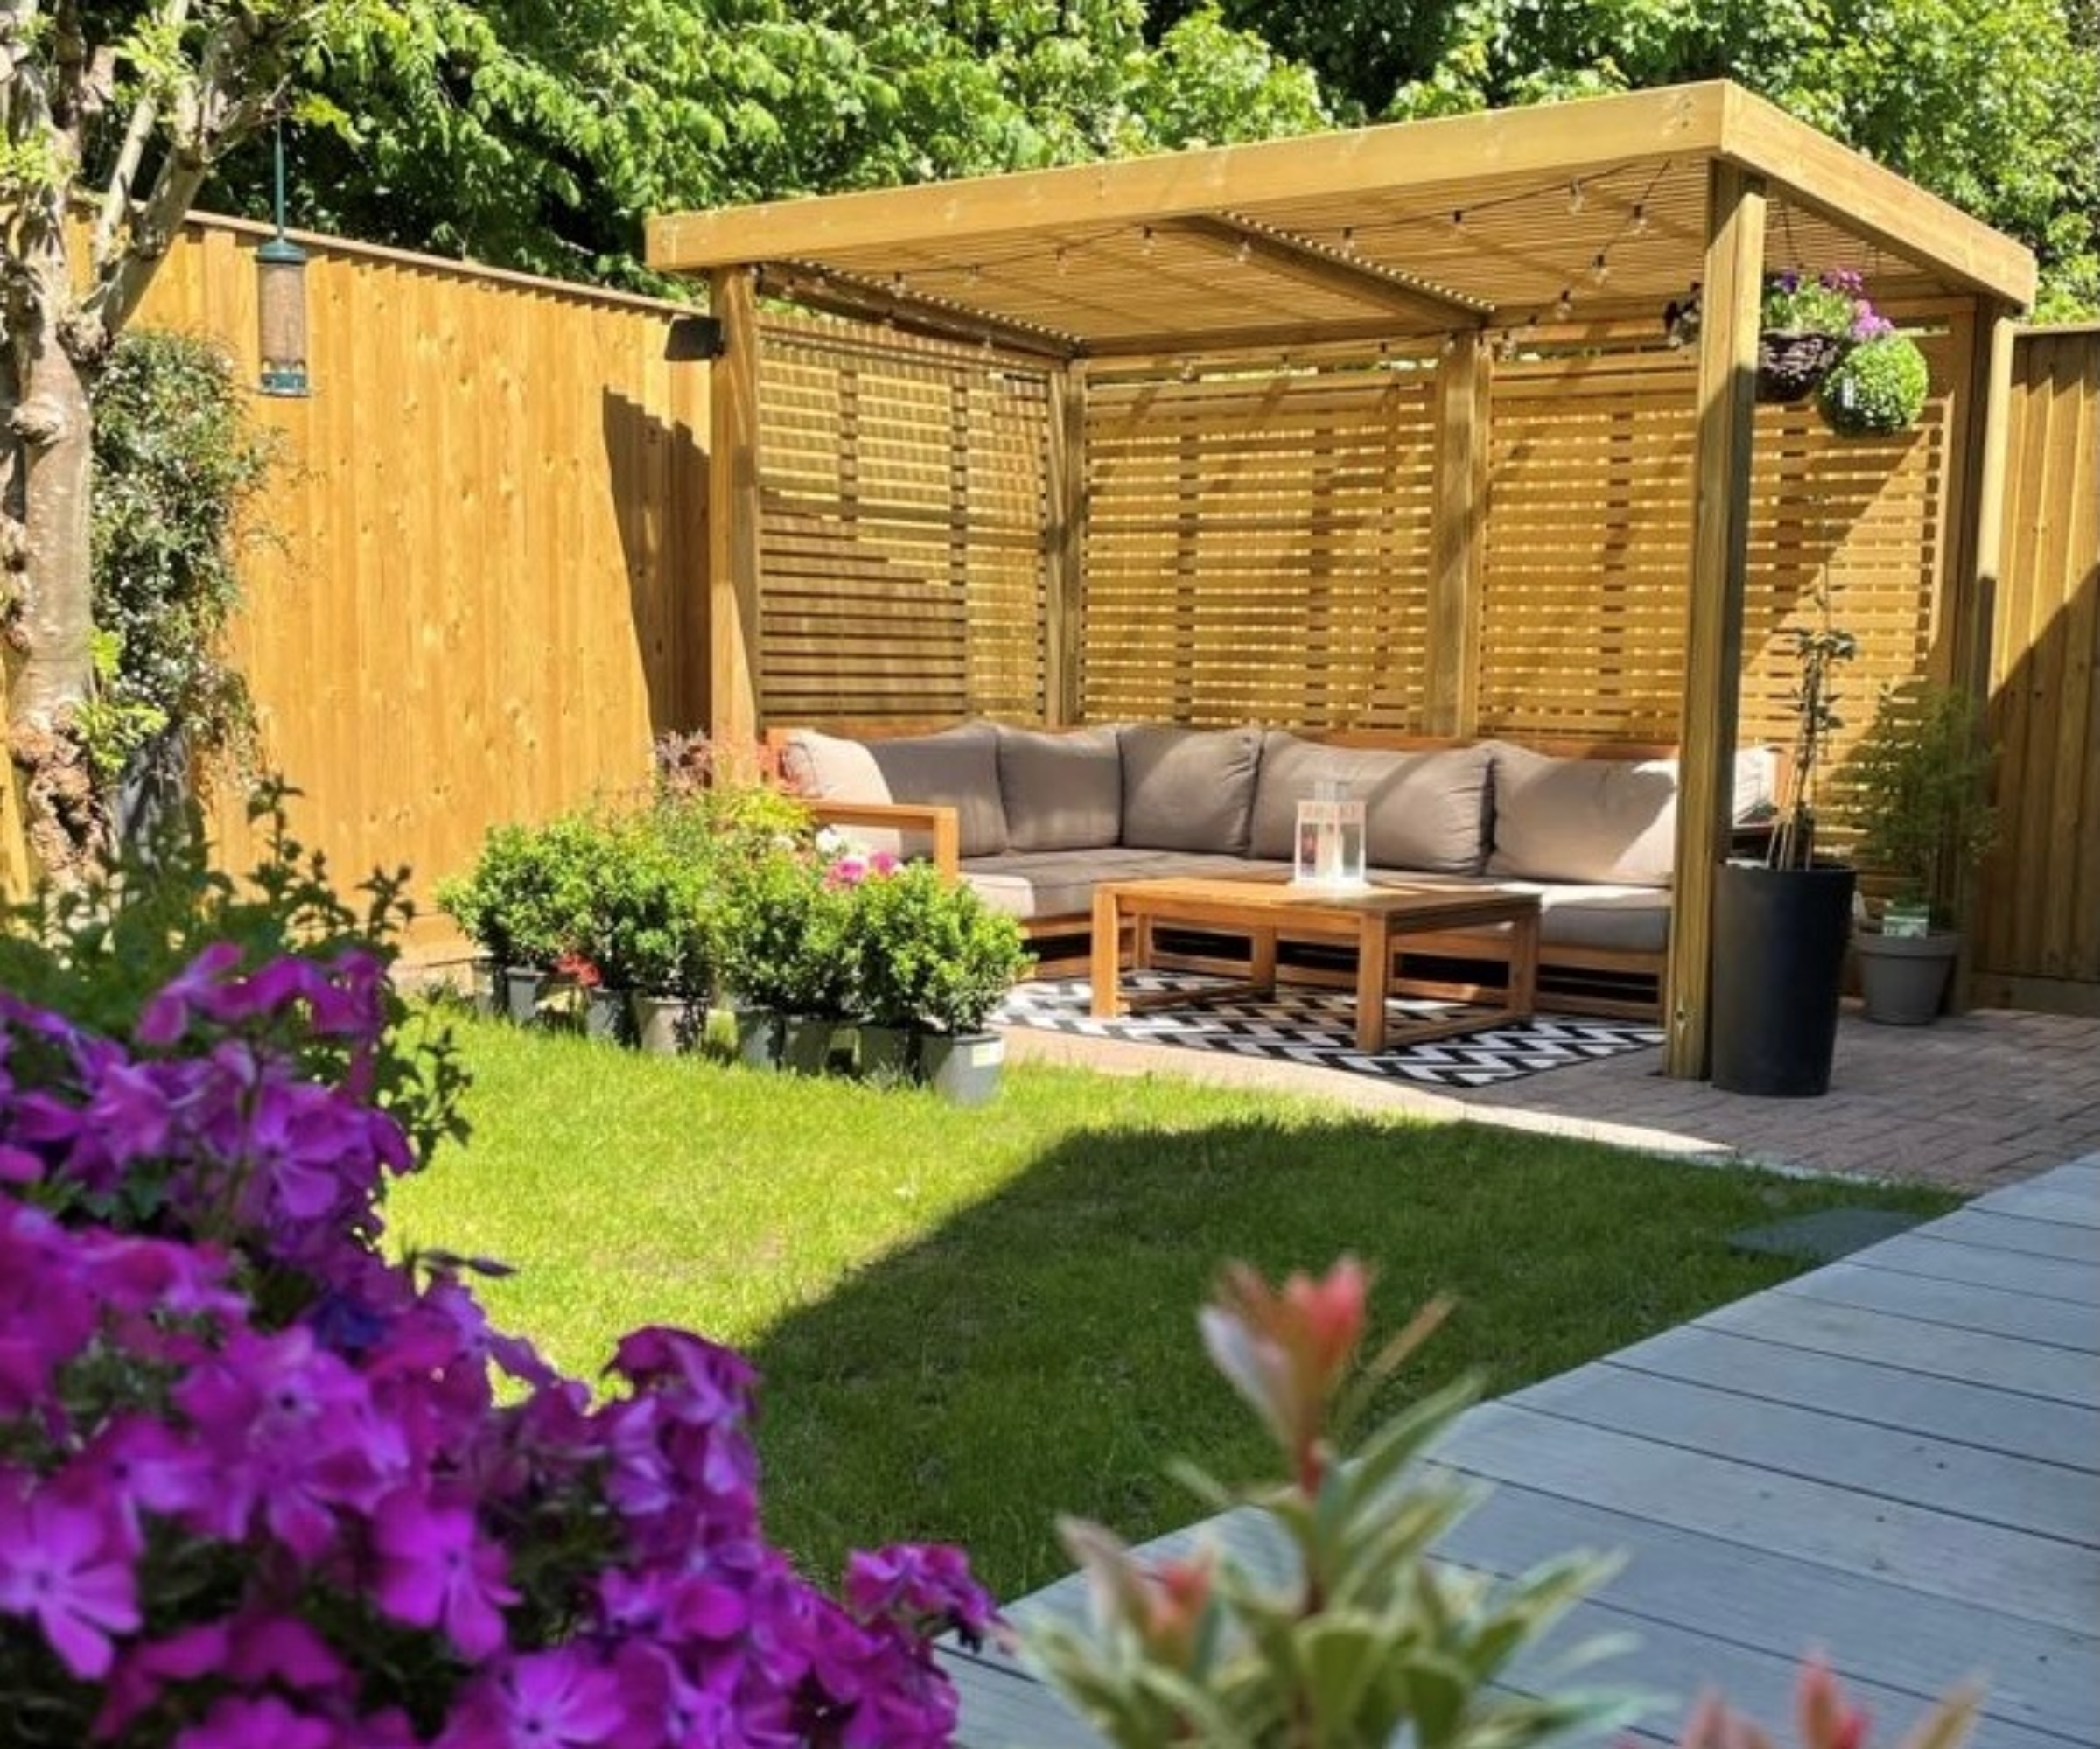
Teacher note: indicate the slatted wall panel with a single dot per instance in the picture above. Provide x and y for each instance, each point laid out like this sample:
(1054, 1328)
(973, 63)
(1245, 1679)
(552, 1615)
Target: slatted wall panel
(2038, 923)
(1258, 547)
(901, 528)
(1588, 546)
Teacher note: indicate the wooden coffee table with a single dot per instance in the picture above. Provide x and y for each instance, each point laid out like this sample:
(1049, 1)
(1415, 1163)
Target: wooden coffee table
(1267, 909)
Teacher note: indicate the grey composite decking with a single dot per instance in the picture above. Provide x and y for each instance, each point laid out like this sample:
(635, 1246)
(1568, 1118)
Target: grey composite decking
(1895, 1458)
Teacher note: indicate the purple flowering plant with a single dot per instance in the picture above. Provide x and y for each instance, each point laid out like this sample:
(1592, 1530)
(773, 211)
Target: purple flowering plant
(1834, 302)
(258, 1483)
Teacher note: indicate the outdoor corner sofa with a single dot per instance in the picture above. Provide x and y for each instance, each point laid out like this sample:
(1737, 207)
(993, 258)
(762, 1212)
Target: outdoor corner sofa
(1035, 819)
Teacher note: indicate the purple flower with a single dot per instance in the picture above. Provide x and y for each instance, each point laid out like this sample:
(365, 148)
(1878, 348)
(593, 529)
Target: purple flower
(435, 1571)
(237, 1722)
(58, 1566)
(914, 1582)
(547, 1700)
(166, 1017)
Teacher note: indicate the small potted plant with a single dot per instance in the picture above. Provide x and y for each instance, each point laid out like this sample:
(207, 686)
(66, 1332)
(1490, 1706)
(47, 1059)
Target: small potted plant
(1805, 326)
(647, 936)
(526, 903)
(1915, 792)
(777, 935)
(934, 960)
(1781, 924)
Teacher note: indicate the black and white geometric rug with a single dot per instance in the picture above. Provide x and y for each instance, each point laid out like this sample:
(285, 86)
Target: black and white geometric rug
(1300, 1024)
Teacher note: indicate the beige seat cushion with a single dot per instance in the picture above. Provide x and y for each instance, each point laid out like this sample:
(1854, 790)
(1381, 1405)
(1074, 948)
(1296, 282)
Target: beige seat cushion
(1063, 790)
(1424, 810)
(1188, 789)
(833, 769)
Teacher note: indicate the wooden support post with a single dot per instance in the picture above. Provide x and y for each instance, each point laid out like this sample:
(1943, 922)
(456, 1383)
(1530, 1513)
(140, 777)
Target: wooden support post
(1973, 572)
(732, 522)
(1064, 600)
(1713, 657)
(1451, 683)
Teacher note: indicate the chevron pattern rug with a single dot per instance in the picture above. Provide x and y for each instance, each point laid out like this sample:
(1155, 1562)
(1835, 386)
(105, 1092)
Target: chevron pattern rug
(1316, 1027)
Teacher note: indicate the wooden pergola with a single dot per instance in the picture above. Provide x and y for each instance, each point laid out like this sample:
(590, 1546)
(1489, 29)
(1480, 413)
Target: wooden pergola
(1460, 234)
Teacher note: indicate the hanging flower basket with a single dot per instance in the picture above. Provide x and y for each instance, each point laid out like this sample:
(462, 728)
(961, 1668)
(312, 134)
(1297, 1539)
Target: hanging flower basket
(1790, 364)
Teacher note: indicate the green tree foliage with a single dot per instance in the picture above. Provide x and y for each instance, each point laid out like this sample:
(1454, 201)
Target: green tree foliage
(539, 134)
(178, 466)
(1994, 104)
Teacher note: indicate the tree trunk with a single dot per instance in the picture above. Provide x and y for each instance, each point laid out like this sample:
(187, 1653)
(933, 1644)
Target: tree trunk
(46, 472)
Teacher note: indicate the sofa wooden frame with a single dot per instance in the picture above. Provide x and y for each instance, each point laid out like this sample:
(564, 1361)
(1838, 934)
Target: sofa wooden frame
(1620, 982)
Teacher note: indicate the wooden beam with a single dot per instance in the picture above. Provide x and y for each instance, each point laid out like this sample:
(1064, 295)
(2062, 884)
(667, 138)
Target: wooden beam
(1295, 259)
(1273, 338)
(1064, 598)
(1551, 140)
(1873, 204)
(1458, 520)
(1733, 278)
(733, 582)
(842, 295)
(1976, 561)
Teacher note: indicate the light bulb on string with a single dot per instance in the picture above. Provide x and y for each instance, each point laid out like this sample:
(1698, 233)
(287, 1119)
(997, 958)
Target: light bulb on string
(1244, 253)
(1061, 262)
(1640, 225)
(1600, 270)
(1577, 199)
(1564, 306)
(1348, 240)
(1147, 242)
(1457, 218)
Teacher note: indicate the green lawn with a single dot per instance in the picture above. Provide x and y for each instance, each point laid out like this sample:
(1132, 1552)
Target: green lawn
(969, 1321)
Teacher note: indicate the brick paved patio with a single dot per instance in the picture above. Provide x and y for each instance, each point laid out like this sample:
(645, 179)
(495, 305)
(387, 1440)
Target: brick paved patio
(1982, 1099)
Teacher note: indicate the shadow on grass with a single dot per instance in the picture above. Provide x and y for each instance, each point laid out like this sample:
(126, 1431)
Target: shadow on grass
(1037, 1352)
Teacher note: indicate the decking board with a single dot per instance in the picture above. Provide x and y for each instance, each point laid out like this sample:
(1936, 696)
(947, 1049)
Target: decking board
(1894, 1459)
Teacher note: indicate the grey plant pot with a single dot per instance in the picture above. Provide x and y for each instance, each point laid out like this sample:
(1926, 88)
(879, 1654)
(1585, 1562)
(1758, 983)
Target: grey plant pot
(806, 1042)
(758, 1038)
(523, 988)
(1903, 978)
(888, 1053)
(964, 1068)
(663, 1025)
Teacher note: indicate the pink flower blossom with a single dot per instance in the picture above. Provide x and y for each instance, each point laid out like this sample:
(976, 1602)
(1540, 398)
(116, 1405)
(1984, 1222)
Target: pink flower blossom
(434, 1570)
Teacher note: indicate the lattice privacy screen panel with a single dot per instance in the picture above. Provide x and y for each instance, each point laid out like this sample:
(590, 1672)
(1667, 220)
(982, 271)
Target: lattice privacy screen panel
(1588, 546)
(1258, 547)
(901, 528)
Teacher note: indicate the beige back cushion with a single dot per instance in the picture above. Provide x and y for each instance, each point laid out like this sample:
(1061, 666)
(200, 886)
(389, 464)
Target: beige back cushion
(1188, 789)
(1063, 791)
(1426, 810)
(959, 766)
(1612, 820)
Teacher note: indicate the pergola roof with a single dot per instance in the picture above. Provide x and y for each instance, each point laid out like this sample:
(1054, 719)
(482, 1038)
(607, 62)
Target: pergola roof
(1583, 211)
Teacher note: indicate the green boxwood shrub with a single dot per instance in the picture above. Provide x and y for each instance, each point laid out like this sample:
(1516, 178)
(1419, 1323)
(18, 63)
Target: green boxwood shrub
(1878, 387)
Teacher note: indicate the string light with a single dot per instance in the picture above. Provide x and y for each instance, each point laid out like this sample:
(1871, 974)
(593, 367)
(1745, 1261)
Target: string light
(1564, 306)
(1061, 262)
(1244, 253)
(1577, 199)
(972, 274)
(1147, 242)
(1348, 240)
(1600, 270)
(1639, 228)
(897, 284)
(1457, 218)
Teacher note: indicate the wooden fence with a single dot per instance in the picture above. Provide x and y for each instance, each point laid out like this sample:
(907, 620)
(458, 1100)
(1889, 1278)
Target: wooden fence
(2038, 919)
(484, 588)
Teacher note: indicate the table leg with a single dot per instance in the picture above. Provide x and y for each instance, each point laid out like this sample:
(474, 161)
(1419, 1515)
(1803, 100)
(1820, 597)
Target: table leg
(1523, 965)
(1261, 962)
(1374, 963)
(1104, 975)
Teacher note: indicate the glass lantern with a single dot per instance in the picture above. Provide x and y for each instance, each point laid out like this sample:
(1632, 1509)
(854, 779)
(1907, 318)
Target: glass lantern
(1330, 853)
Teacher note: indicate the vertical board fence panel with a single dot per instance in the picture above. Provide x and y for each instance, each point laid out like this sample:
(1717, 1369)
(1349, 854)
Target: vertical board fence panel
(903, 543)
(2037, 920)
(480, 593)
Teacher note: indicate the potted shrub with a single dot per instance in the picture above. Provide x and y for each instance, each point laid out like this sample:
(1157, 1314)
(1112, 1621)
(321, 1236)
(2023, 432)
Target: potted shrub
(647, 937)
(1915, 794)
(1781, 925)
(778, 937)
(526, 903)
(934, 960)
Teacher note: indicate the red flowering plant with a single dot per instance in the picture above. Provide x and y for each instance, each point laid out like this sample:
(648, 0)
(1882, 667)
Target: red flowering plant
(259, 1484)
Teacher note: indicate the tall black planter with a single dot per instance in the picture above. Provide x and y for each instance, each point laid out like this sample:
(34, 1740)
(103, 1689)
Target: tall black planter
(1779, 940)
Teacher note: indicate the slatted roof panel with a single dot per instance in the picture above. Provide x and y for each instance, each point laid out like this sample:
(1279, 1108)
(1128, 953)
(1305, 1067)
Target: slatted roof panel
(1595, 209)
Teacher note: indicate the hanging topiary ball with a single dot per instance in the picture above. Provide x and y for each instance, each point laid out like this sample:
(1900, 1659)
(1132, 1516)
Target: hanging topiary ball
(1878, 386)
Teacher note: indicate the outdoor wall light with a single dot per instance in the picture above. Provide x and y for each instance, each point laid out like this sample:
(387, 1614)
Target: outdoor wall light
(281, 301)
